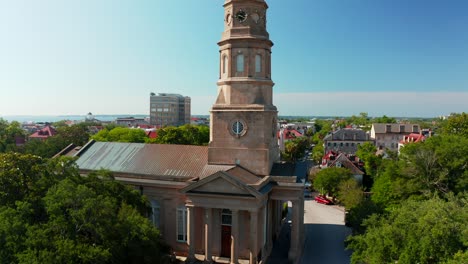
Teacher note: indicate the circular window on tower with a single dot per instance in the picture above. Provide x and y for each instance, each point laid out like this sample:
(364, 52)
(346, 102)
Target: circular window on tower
(238, 128)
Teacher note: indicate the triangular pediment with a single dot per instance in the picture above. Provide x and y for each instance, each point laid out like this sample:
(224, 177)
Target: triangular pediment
(221, 183)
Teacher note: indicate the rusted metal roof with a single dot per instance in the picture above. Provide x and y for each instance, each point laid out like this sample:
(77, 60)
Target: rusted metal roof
(180, 161)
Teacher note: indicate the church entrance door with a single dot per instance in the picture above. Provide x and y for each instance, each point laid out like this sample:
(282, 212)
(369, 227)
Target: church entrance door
(226, 222)
(226, 241)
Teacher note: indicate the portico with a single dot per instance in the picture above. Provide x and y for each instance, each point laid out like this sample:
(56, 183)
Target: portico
(239, 221)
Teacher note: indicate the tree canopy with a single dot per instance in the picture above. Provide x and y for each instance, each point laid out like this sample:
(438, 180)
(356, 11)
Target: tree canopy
(456, 124)
(8, 134)
(51, 214)
(417, 212)
(183, 135)
(294, 149)
(121, 134)
(430, 231)
(327, 180)
(367, 153)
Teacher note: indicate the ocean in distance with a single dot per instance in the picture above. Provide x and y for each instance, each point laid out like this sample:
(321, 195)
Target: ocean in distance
(51, 118)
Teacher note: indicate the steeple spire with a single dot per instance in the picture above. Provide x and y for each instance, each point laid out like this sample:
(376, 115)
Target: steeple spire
(243, 118)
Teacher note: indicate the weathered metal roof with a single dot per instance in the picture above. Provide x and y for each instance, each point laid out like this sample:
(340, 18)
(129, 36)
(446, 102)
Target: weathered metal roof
(347, 134)
(147, 159)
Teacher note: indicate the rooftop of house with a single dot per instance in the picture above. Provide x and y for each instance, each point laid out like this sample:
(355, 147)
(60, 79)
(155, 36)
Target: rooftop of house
(347, 134)
(289, 134)
(343, 161)
(413, 137)
(44, 133)
(380, 128)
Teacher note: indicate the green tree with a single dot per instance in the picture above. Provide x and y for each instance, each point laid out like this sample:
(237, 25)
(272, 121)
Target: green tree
(294, 149)
(317, 153)
(76, 134)
(350, 193)
(429, 231)
(121, 134)
(385, 120)
(456, 124)
(366, 152)
(386, 189)
(8, 134)
(183, 135)
(50, 214)
(328, 180)
(322, 128)
(437, 165)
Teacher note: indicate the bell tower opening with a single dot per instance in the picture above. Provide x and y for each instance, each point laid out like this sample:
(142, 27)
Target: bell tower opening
(243, 118)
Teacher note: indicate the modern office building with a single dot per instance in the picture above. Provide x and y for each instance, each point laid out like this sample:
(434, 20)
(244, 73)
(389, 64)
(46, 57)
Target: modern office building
(168, 109)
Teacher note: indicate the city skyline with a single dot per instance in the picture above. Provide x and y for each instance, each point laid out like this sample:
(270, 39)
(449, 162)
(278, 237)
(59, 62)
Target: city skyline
(396, 58)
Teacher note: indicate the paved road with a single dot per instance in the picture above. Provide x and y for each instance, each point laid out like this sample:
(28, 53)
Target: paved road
(325, 233)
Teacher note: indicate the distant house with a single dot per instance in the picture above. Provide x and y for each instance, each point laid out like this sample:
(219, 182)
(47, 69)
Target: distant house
(341, 160)
(411, 138)
(327, 158)
(44, 133)
(131, 121)
(389, 135)
(346, 140)
(284, 135)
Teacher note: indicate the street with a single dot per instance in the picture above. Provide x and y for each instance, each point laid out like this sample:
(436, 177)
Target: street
(325, 233)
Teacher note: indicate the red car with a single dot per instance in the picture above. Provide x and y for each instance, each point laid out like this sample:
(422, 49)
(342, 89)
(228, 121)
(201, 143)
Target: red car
(322, 199)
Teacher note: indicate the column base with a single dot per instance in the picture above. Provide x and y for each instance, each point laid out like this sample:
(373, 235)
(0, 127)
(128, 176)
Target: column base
(191, 260)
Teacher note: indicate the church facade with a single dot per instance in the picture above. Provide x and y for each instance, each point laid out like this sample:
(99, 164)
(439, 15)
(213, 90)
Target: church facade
(224, 200)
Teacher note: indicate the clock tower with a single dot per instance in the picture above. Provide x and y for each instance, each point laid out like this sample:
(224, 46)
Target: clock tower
(243, 118)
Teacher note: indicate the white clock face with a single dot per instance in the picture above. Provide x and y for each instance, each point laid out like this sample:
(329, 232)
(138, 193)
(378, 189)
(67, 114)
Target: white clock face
(238, 127)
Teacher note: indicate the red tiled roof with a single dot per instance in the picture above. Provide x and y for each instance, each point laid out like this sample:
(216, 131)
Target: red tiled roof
(152, 134)
(413, 137)
(44, 133)
(144, 126)
(289, 134)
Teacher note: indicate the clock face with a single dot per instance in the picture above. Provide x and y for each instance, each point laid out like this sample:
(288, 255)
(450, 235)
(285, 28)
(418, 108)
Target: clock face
(241, 16)
(238, 128)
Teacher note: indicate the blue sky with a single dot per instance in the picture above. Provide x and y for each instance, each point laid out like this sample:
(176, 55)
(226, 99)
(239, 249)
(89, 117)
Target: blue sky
(331, 57)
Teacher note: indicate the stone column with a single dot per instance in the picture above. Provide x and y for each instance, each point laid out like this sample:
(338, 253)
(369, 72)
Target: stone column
(269, 226)
(253, 236)
(302, 232)
(208, 232)
(295, 229)
(191, 234)
(235, 237)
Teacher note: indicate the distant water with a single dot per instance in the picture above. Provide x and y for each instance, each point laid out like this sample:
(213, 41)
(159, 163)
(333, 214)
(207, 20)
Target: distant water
(50, 119)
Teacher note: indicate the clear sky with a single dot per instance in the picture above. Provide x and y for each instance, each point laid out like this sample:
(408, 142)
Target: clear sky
(331, 57)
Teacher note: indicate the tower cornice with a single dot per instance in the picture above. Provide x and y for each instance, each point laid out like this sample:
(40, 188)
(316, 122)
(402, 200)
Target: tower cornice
(262, 2)
(245, 40)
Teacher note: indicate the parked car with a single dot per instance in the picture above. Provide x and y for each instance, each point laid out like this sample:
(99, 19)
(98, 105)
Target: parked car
(322, 199)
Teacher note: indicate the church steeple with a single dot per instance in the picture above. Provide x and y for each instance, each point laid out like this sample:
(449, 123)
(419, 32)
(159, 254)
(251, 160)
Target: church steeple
(243, 118)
